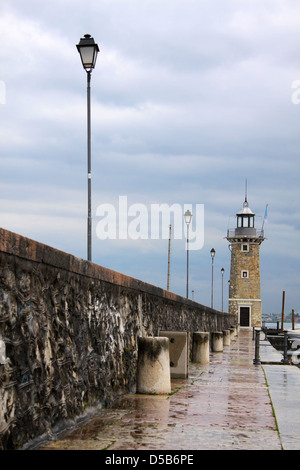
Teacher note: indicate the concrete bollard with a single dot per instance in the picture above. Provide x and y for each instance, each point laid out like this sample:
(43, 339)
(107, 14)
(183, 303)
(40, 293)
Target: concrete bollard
(153, 367)
(217, 341)
(226, 337)
(200, 347)
(179, 349)
(232, 333)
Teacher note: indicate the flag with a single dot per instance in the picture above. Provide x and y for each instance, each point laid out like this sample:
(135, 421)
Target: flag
(266, 214)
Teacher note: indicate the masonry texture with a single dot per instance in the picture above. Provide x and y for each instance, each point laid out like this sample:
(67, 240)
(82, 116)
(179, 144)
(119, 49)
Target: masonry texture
(245, 289)
(69, 332)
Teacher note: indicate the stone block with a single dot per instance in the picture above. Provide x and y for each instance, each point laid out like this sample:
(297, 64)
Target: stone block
(179, 353)
(226, 338)
(200, 347)
(217, 341)
(153, 368)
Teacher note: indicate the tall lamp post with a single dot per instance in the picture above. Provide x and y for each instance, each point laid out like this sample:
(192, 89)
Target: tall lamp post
(222, 272)
(212, 254)
(188, 219)
(88, 51)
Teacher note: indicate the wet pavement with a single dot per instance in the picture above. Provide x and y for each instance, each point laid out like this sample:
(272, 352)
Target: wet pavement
(224, 405)
(284, 385)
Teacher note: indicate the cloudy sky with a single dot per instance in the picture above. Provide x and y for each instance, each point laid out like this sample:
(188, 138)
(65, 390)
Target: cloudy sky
(189, 99)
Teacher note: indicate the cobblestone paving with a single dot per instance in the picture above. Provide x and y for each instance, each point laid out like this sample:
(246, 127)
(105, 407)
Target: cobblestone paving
(222, 405)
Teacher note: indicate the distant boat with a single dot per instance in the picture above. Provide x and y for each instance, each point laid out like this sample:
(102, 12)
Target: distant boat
(293, 333)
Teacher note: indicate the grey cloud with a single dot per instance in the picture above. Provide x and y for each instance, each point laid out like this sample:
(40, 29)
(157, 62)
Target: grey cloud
(188, 99)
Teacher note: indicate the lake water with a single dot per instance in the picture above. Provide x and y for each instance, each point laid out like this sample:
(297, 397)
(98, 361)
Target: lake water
(286, 326)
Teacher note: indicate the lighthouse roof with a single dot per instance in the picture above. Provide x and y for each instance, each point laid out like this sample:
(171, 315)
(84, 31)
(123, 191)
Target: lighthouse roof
(246, 209)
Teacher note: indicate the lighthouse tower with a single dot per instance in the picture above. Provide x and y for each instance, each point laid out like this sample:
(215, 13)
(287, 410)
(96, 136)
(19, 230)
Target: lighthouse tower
(244, 288)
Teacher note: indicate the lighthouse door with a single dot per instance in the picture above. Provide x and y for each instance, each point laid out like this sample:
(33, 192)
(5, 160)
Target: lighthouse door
(244, 316)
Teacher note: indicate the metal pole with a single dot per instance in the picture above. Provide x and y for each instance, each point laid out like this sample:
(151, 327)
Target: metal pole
(222, 291)
(293, 319)
(282, 311)
(187, 264)
(89, 219)
(257, 338)
(169, 250)
(212, 282)
(285, 358)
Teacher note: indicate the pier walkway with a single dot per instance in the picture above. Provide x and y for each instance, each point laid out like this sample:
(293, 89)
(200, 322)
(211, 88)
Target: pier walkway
(225, 405)
(283, 382)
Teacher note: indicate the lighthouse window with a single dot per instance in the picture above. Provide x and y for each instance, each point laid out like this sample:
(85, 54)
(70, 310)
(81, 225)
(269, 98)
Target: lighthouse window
(248, 222)
(245, 274)
(245, 247)
(245, 221)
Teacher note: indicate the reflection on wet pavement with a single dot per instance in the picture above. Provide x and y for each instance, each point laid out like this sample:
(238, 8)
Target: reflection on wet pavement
(222, 405)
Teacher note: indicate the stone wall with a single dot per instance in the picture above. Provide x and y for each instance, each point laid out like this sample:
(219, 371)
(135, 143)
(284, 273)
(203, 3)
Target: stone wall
(246, 290)
(68, 335)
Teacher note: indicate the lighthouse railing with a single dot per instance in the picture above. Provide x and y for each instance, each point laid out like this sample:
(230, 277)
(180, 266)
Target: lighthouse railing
(250, 232)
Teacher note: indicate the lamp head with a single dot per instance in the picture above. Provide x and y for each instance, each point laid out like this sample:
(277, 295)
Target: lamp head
(188, 217)
(88, 51)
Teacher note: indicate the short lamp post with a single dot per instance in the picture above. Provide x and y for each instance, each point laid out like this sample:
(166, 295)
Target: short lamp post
(212, 254)
(188, 219)
(88, 51)
(222, 272)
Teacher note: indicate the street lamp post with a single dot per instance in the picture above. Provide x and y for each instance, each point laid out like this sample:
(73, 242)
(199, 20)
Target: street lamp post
(188, 219)
(222, 272)
(212, 253)
(88, 51)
